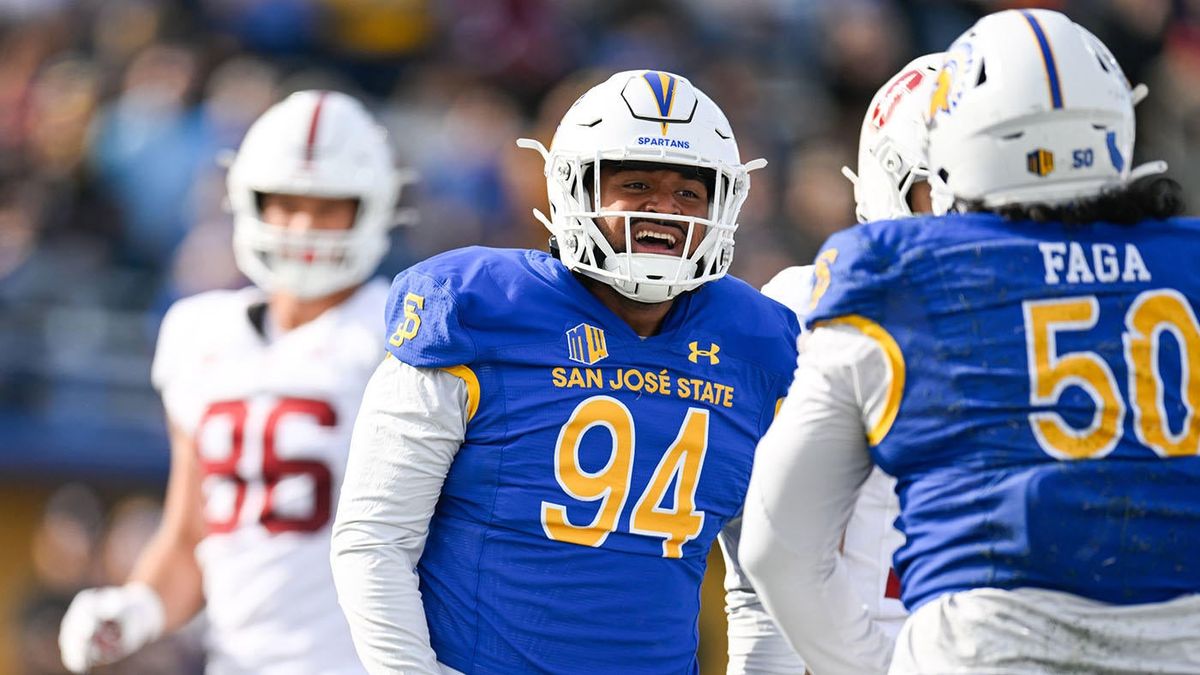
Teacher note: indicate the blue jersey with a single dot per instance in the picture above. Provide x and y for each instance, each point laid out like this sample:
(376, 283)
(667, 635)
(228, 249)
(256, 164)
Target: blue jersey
(573, 528)
(1045, 393)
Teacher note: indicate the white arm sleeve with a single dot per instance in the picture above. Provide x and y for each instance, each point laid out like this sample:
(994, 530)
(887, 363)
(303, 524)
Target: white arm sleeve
(409, 428)
(756, 645)
(807, 472)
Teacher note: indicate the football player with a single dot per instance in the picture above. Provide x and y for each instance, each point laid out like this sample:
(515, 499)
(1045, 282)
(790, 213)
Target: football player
(260, 387)
(892, 182)
(1025, 368)
(542, 462)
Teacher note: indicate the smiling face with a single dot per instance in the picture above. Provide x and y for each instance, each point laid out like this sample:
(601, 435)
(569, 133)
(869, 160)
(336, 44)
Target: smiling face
(651, 188)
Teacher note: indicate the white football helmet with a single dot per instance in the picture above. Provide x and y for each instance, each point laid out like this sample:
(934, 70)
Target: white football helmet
(643, 116)
(1029, 107)
(319, 144)
(892, 152)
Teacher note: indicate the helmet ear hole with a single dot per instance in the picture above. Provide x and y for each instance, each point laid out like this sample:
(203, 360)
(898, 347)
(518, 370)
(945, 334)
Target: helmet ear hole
(982, 73)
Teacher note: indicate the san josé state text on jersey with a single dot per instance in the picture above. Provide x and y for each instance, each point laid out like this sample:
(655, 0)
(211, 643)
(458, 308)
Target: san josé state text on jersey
(598, 467)
(1047, 432)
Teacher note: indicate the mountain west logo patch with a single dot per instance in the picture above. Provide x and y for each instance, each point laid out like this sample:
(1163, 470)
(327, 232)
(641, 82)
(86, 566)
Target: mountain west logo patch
(1040, 162)
(586, 344)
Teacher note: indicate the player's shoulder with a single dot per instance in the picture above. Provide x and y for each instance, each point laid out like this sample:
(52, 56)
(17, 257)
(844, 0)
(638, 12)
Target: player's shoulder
(197, 322)
(1188, 224)
(437, 308)
(887, 240)
(754, 309)
(209, 311)
(364, 309)
(765, 329)
(858, 269)
(463, 268)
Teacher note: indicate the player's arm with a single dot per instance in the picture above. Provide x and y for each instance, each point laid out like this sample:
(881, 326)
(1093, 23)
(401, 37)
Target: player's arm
(168, 565)
(756, 645)
(807, 472)
(410, 426)
(163, 592)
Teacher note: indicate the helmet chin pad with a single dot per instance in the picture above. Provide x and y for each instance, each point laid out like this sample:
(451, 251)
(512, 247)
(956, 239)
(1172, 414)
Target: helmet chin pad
(650, 277)
(310, 264)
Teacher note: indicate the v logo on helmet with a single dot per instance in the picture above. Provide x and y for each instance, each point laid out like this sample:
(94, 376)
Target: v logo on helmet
(662, 85)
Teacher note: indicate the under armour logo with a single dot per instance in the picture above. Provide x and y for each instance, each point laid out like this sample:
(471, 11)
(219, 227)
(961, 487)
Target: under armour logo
(711, 353)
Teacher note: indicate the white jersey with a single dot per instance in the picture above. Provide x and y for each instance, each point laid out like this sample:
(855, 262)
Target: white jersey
(271, 419)
(871, 536)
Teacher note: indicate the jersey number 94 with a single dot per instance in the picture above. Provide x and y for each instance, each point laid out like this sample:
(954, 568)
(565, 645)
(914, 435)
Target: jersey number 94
(680, 466)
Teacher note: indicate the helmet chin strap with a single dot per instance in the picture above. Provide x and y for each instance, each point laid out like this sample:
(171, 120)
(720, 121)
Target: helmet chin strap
(672, 272)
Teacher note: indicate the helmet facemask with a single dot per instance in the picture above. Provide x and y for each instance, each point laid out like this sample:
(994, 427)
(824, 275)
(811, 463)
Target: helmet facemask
(306, 263)
(708, 241)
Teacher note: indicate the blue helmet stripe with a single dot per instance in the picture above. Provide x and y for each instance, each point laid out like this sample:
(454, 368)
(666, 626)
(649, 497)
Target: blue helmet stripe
(1114, 153)
(1047, 59)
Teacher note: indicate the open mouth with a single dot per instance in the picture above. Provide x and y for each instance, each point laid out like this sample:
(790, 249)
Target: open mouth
(663, 238)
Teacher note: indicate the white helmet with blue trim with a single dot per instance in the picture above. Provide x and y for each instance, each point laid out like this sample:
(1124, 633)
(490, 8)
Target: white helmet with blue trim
(1029, 107)
(643, 116)
(892, 153)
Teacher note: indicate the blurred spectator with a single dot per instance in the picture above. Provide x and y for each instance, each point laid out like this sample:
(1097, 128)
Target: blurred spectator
(1169, 119)
(63, 552)
(148, 144)
(123, 28)
(378, 28)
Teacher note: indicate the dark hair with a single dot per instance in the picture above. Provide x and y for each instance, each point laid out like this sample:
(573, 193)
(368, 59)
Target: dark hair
(1153, 196)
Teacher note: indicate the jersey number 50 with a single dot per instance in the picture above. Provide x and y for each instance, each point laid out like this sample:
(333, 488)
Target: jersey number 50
(1050, 373)
(610, 485)
(272, 469)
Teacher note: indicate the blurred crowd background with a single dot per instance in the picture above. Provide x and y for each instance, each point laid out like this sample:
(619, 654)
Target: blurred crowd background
(115, 114)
